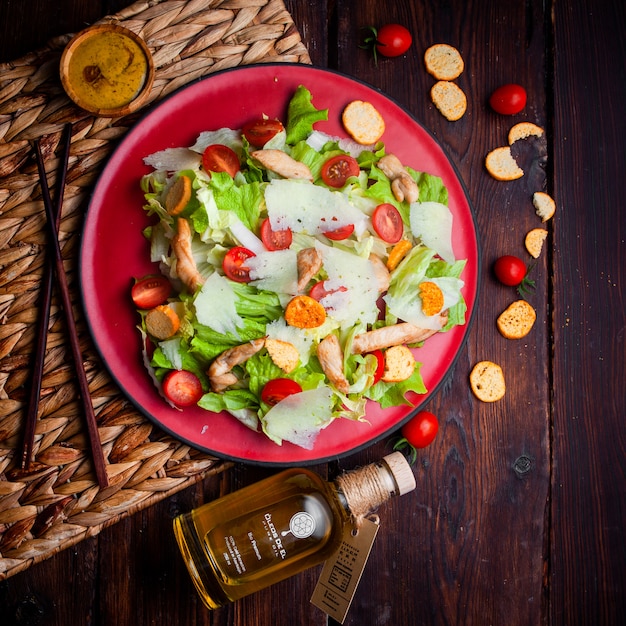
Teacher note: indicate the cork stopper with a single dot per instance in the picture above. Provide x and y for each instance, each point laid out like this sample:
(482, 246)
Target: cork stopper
(401, 471)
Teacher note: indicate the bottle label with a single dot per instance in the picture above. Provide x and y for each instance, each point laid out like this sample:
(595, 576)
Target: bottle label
(341, 573)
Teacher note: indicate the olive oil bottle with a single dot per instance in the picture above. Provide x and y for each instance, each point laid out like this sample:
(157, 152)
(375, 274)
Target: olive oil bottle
(273, 529)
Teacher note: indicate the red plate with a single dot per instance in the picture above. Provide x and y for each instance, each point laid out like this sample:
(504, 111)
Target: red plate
(114, 250)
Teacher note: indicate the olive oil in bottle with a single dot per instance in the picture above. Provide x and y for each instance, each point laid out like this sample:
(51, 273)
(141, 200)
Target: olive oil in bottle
(273, 529)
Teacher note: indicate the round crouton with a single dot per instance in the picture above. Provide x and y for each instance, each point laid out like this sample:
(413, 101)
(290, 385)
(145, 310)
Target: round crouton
(305, 312)
(501, 164)
(399, 364)
(544, 205)
(449, 99)
(534, 241)
(523, 130)
(162, 322)
(487, 381)
(443, 61)
(432, 298)
(517, 320)
(363, 122)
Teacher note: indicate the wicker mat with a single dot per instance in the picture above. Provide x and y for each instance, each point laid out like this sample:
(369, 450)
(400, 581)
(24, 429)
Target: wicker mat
(58, 502)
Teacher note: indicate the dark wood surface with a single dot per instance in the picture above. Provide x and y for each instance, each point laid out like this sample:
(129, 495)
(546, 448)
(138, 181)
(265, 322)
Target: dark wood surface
(519, 514)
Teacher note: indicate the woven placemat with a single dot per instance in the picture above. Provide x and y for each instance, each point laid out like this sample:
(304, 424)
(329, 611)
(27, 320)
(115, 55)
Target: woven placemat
(58, 502)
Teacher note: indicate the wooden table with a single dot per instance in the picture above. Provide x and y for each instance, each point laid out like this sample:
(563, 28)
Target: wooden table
(519, 513)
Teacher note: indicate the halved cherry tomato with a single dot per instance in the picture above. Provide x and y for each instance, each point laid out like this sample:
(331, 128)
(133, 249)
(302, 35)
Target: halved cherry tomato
(508, 99)
(392, 40)
(275, 239)
(341, 233)
(234, 264)
(387, 223)
(259, 132)
(337, 170)
(319, 291)
(278, 389)
(150, 291)
(220, 158)
(380, 367)
(183, 388)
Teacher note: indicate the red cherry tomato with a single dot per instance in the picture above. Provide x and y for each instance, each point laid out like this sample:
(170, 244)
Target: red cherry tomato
(275, 239)
(183, 388)
(259, 132)
(508, 99)
(337, 170)
(387, 223)
(510, 270)
(150, 291)
(234, 264)
(421, 430)
(278, 389)
(392, 40)
(220, 158)
(380, 367)
(339, 234)
(319, 291)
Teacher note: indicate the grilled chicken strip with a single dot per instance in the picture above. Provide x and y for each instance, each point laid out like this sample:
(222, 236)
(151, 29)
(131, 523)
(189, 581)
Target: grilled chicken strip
(309, 261)
(185, 263)
(220, 371)
(282, 164)
(330, 357)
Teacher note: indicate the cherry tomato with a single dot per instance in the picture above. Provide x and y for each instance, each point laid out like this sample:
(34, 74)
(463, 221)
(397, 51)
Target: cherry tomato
(220, 158)
(234, 264)
(421, 430)
(259, 132)
(275, 239)
(392, 40)
(387, 223)
(341, 233)
(183, 388)
(380, 367)
(278, 389)
(510, 270)
(319, 291)
(337, 170)
(150, 291)
(508, 99)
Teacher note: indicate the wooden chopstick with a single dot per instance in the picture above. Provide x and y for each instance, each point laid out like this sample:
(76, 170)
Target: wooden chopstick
(44, 319)
(92, 426)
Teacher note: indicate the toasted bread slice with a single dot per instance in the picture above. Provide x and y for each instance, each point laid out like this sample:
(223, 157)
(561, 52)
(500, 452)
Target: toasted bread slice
(399, 364)
(363, 122)
(534, 241)
(501, 164)
(517, 320)
(523, 130)
(487, 381)
(544, 205)
(443, 61)
(305, 312)
(449, 99)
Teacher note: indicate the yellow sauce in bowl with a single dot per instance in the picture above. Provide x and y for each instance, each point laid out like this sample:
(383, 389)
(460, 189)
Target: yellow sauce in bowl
(107, 70)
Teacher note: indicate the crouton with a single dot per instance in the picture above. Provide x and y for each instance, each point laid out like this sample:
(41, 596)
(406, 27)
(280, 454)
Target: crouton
(523, 130)
(162, 322)
(398, 252)
(517, 320)
(487, 381)
(363, 122)
(305, 312)
(399, 364)
(501, 164)
(544, 205)
(534, 241)
(449, 99)
(283, 353)
(432, 298)
(444, 62)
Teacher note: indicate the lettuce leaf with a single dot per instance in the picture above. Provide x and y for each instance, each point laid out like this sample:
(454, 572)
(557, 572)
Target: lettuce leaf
(301, 115)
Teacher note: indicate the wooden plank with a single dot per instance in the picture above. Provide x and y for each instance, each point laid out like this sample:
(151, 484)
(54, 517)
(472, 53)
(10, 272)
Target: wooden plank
(588, 558)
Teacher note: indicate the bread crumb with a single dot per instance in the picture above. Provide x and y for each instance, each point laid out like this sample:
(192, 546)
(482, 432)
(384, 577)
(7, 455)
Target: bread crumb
(517, 320)
(487, 381)
(450, 99)
(444, 62)
(501, 164)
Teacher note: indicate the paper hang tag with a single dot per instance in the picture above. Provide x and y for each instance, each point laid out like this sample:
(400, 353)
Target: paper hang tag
(341, 573)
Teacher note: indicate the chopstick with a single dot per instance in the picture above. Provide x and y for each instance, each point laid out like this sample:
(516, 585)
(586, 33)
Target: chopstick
(44, 319)
(92, 426)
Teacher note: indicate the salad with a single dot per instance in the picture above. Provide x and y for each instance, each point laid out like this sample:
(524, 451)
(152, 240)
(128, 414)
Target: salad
(298, 271)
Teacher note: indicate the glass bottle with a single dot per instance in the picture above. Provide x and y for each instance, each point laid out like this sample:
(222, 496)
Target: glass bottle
(275, 528)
